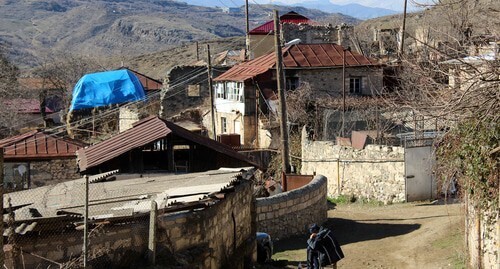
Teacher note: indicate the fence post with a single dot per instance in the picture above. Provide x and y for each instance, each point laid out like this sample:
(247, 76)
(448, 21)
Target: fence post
(2, 256)
(152, 233)
(86, 224)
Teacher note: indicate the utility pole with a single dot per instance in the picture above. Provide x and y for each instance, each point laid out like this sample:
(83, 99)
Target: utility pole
(285, 155)
(247, 40)
(342, 131)
(197, 52)
(211, 90)
(403, 29)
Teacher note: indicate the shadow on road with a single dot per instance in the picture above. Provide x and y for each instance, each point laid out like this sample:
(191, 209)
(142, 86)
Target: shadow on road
(350, 231)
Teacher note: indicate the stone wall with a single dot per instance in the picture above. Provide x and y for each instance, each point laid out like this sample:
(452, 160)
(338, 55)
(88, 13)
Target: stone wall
(52, 171)
(186, 87)
(376, 172)
(330, 80)
(224, 232)
(221, 235)
(290, 213)
(482, 238)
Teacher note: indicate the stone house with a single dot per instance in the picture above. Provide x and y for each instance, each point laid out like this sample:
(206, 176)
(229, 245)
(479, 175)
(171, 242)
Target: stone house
(186, 86)
(295, 26)
(36, 159)
(245, 95)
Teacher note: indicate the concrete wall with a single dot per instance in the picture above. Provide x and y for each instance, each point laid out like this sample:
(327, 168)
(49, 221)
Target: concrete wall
(482, 238)
(377, 172)
(223, 234)
(290, 213)
(52, 171)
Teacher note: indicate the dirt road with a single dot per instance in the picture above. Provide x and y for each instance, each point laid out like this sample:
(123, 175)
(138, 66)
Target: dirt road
(411, 235)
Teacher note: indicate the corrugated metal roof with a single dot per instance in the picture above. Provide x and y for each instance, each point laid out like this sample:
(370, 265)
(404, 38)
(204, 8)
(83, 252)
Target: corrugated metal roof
(37, 83)
(149, 84)
(296, 57)
(38, 145)
(290, 17)
(142, 133)
(28, 106)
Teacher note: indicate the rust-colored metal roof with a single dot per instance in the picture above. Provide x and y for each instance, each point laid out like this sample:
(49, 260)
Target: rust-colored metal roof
(149, 84)
(142, 133)
(298, 56)
(290, 17)
(28, 106)
(39, 145)
(37, 83)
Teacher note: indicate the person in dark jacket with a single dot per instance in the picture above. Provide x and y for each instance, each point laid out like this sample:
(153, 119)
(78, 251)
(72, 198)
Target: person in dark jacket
(322, 248)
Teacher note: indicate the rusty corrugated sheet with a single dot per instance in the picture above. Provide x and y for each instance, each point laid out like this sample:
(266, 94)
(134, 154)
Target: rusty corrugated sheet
(299, 56)
(39, 145)
(142, 133)
(290, 17)
(38, 83)
(149, 84)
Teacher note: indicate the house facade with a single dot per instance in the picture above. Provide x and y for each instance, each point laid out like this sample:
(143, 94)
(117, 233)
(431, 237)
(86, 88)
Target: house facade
(36, 159)
(245, 96)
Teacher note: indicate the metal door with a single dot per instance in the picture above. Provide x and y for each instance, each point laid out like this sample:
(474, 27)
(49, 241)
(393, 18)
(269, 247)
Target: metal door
(419, 179)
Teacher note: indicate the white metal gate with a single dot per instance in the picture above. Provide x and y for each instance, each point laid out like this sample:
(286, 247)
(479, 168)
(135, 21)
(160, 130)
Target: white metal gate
(419, 179)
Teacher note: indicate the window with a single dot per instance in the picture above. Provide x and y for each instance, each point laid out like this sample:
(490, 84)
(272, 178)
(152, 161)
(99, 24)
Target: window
(292, 83)
(355, 85)
(193, 90)
(220, 90)
(230, 91)
(223, 125)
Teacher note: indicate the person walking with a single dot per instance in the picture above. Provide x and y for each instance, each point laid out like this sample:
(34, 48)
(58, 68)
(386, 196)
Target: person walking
(322, 248)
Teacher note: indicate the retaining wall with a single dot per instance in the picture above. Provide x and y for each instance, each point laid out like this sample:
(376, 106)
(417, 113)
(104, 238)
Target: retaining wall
(290, 213)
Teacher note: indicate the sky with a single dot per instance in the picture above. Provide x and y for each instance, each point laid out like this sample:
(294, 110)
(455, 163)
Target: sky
(388, 4)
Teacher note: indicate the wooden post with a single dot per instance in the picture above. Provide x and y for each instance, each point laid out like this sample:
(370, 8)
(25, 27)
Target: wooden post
(85, 249)
(285, 155)
(403, 29)
(211, 89)
(197, 52)
(2, 256)
(152, 233)
(247, 39)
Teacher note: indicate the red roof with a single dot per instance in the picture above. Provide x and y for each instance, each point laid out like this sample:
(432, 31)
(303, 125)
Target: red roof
(142, 133)
(290, 17)
(37, 83)
(149, 84)
(39, 145)
(25, 106)
(299, 56)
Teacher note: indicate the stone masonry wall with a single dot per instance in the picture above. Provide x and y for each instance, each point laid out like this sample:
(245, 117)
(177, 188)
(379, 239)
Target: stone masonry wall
(224, 232)
(220, 235)
(52, 171)
(377, 172)
(290, 213)
(330, 80)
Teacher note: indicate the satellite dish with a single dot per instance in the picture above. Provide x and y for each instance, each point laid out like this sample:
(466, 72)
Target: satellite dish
(293, 42)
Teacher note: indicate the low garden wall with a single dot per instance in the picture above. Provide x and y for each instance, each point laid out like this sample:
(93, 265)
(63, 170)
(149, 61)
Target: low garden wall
(290, 213)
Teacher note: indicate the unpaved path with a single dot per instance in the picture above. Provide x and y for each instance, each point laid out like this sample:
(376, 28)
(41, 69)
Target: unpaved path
(410, 235)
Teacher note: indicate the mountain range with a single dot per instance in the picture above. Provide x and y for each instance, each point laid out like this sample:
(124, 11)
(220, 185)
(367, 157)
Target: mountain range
(354, 10)
(30, 29)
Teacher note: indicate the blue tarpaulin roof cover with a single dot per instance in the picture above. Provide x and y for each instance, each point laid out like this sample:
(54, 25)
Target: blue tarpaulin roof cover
(106, 88)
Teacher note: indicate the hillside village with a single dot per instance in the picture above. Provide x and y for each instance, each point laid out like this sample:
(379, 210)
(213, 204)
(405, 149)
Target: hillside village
(220, 151)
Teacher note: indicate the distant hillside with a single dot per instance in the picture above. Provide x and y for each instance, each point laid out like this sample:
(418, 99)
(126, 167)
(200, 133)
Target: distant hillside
(352, 10)
(32, 28)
